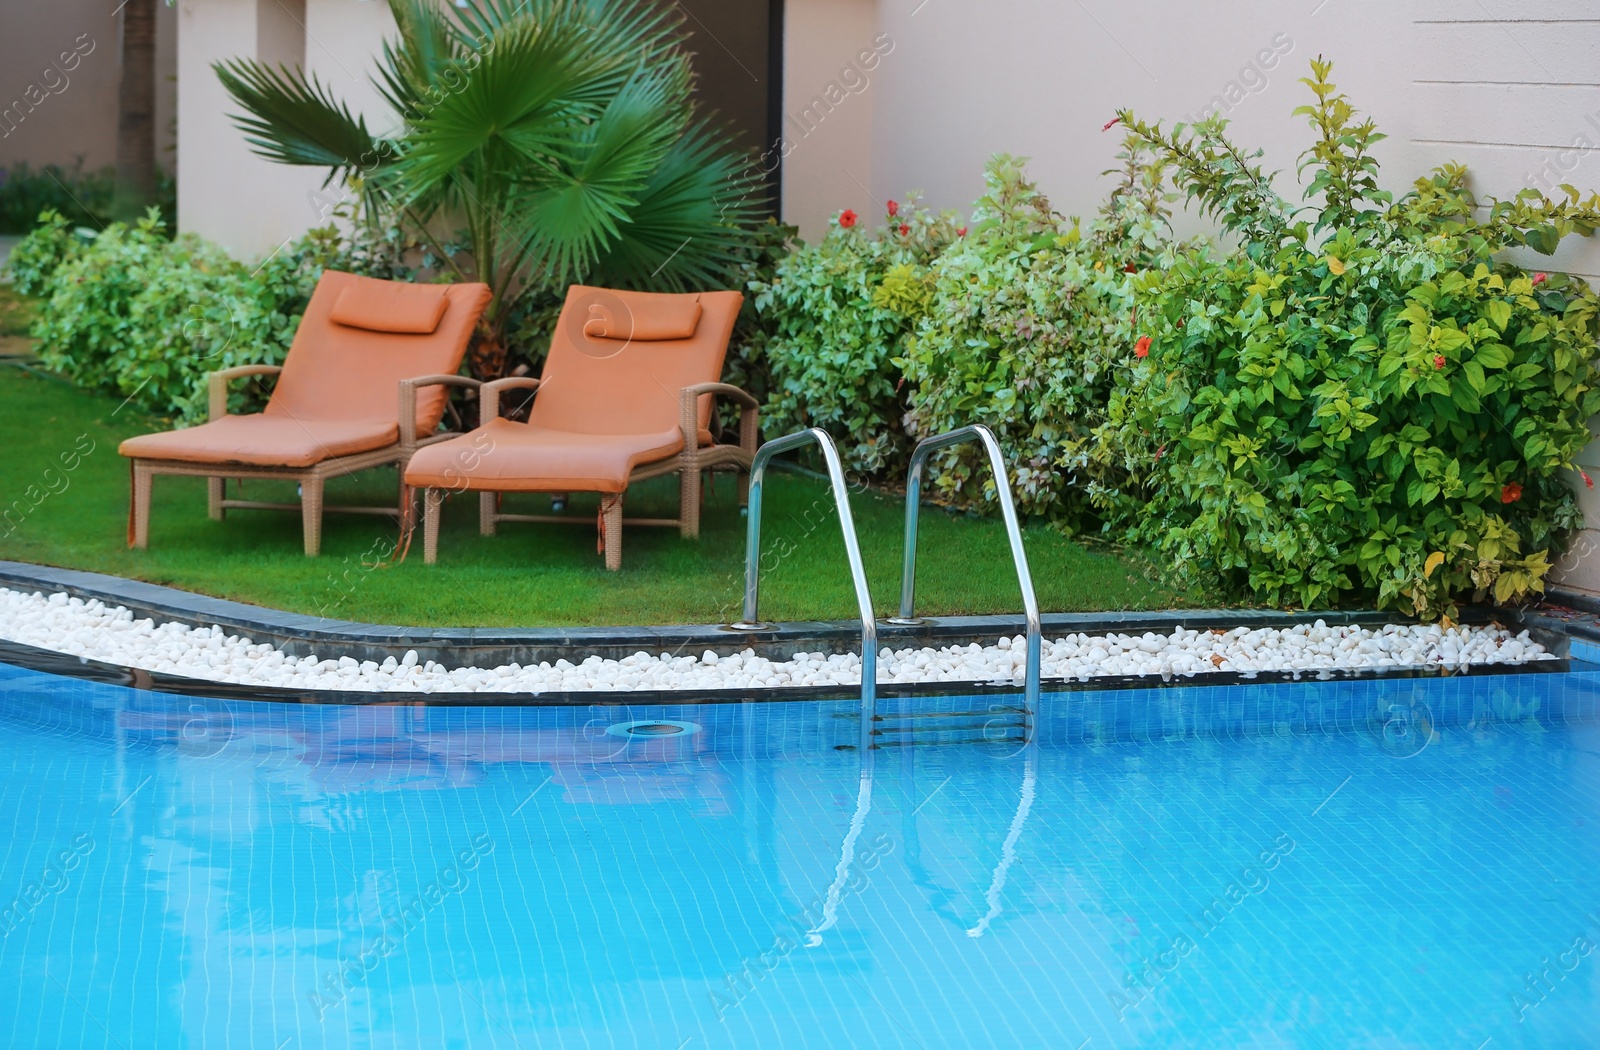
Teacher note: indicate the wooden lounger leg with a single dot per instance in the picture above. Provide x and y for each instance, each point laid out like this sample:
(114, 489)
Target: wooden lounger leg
(431, 499)
(311, 513)
(139, 534)
(611, 526)
(488, 512)
(214, 495)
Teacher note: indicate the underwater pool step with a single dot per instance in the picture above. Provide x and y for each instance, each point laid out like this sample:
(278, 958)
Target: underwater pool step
(994, 726)
(993, 711)
(1000, 723)
(1009, 736)
(1014, 738)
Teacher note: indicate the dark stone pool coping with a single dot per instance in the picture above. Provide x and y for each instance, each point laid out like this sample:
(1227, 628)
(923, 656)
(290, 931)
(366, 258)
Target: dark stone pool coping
(66, 666)
(303, 635)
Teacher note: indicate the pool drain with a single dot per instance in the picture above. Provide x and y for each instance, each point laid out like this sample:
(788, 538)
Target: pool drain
(652, 729)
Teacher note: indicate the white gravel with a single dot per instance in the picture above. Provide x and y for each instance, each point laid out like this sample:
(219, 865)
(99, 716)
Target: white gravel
(96, 631)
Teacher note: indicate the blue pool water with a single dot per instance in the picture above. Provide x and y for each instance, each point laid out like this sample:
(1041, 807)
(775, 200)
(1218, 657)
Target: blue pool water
(1168, 868)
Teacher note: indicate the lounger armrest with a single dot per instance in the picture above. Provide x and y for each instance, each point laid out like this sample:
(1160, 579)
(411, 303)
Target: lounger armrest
(408, 402)
(749, 414)
(217, 384)
(489, 395)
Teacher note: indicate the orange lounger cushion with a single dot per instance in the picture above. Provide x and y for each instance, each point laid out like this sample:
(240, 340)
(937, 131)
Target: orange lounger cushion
(390, 306)
(505, 456)
(640, 316)
(264, 440)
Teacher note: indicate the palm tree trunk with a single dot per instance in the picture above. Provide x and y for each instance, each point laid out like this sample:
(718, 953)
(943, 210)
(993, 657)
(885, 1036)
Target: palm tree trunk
(136, 111)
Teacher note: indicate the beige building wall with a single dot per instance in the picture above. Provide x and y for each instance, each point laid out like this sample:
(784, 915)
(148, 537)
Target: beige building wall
(1505, 86)
(834, 61)
(250, 205)
(60, 67)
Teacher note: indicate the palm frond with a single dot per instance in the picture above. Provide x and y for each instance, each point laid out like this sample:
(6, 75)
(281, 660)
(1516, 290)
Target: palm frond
(293, 120)
(521, 104)
(692, 222)
(650, 33)
(573, 215)
(645, 31)
(414, 65)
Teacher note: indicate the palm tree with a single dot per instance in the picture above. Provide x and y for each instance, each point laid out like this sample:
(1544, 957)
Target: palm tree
(136, 112)
(560, 133)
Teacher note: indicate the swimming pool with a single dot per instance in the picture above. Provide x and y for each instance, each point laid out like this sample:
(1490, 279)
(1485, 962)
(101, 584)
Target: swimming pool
(1362, 863)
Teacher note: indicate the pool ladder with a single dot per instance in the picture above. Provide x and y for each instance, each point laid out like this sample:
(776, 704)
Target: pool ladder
(877, 731)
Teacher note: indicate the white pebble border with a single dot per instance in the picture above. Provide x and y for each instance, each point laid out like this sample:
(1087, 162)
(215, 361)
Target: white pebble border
(95, 631)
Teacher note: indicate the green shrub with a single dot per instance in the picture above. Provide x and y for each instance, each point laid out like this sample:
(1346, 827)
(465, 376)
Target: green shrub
(135, 314)
(84, 197)
(1023, 325)
(748, 366)
(35, 259)
(836, 312)
(1371, 406)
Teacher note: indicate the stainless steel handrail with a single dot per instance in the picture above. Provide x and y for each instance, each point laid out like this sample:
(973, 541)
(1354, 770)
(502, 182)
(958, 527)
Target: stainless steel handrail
(852, 549)
(1008, 511)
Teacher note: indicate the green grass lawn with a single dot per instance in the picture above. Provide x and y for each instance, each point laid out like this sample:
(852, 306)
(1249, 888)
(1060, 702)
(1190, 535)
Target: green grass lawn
(529, 575)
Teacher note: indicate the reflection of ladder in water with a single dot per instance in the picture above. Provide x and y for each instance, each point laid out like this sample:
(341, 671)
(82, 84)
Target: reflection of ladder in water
(997, 722)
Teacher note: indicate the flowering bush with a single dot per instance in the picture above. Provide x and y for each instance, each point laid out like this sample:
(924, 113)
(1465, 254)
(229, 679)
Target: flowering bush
(1372, 405)
(836, 312)
(1022, 326)
(130, 312)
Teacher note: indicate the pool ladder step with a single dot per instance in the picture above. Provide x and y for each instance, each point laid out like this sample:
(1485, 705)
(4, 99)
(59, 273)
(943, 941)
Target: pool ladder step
(999, 723)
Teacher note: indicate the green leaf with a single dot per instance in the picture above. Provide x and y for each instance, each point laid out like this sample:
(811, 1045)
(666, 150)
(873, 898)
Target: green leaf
(1492, 355)
(293, 120)
(1543, 239)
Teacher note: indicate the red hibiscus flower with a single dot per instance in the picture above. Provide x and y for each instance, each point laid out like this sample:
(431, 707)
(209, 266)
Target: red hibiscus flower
(961, 231)
(1540, 278)
(1438, 360)
(904, 229)
(847, 219)
(1587, 480)
(1142, 347)
(894, 209)
(1130, 268)
(1113, 122)
(1511, 493)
